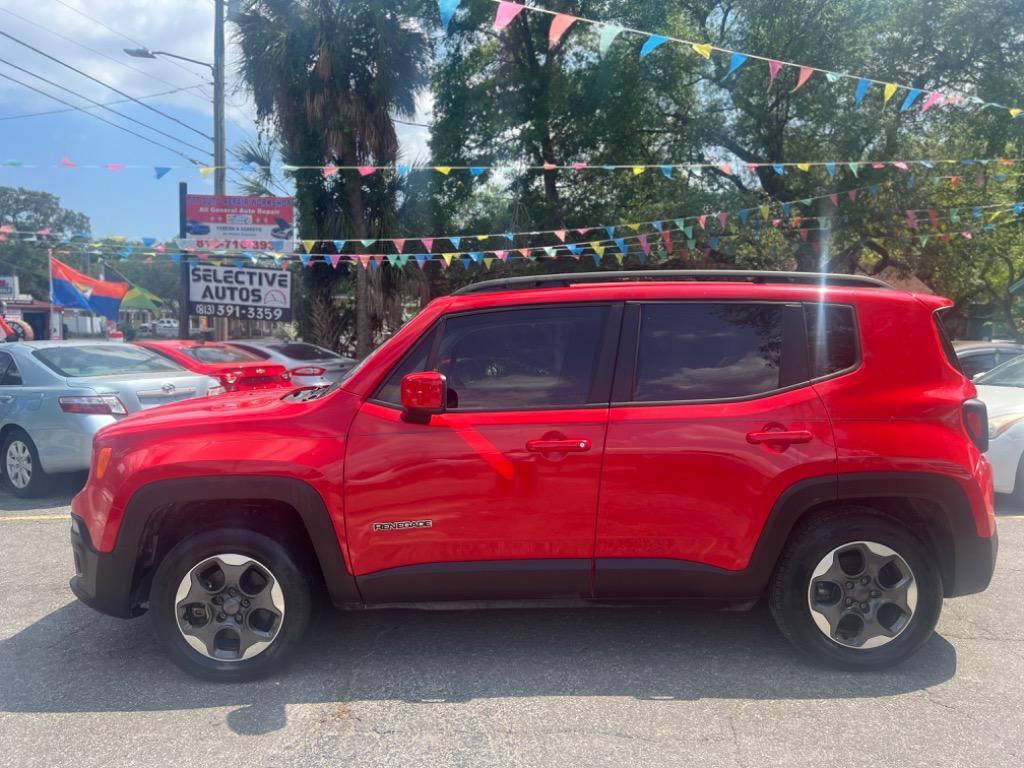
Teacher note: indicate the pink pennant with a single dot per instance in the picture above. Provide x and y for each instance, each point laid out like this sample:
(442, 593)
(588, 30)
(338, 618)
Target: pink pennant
(722, 218)
(525, 252)
(42, 231)
(703, 221)
(428, 243)
(560, 234)
(506, 12)
(954, 181)
(7, 229)
(366, 170)
(933, 217)
(148, 260)
(776, 222)
(364, 259)
(559, 25)
(878, 165)
(912, 219)
(834, 197)
(160, 248)
(773, 70)
(967, 235)
(582, 231)
(330, 170)
(66, 162)
(933, 98)
(115, 167)
(335, 258)
(579, 166)
(666, 238)
(805, 73)
(852, 194)
(550, 167)
(399, 245)
(752, 167)
(502, 255)
(644, 245)
(726, 168)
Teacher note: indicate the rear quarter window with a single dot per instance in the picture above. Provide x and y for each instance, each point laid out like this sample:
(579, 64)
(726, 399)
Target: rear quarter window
(832, 338)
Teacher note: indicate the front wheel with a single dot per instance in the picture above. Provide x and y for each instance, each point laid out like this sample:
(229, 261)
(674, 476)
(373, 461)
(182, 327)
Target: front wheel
(229, 605)
(856, 590)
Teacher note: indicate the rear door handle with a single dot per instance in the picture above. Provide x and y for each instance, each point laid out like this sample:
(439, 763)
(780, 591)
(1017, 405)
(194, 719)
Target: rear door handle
(780, 437)
(578, 445)
(6, 398)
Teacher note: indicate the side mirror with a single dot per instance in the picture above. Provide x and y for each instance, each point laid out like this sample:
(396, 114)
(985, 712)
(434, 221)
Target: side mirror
(423, 395)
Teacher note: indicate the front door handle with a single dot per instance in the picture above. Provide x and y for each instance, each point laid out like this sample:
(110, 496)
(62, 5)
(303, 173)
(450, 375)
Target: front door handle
(780, 437)
(6, 398)
(578, 445)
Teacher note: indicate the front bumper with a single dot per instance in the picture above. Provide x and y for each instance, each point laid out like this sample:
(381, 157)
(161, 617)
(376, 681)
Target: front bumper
(974, 564)
(102, 580)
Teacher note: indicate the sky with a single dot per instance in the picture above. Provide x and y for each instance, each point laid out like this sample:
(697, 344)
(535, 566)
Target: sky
(129, 202)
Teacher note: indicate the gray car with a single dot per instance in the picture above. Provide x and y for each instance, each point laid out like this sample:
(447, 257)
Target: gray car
(54, 396)
(308, 364)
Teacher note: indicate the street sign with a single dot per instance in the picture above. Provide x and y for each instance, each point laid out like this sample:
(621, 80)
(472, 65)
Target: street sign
(239, 223)
(253, 294)
(9, 288)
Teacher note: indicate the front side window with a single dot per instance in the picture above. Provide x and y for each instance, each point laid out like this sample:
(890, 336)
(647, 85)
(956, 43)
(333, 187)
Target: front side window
(708, 351)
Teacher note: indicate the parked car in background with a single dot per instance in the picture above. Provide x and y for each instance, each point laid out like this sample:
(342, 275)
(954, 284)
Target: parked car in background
(55, 395)
(1002, 390)
(979, 356)
(308, 364)
(237, 369)
(166, 326)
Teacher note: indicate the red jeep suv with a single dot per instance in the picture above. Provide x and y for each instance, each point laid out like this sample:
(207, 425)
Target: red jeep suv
(608, 437)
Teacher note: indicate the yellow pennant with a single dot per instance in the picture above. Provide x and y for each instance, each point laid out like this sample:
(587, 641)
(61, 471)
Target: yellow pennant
(704, 49)
(764, 212)
(598, 248)
(206, 170)
(638, 169)
(448, 258)
(308, 245)
(488, 262)
(444, 170)
(618, 257)
(890, 91)
(1015, 111)
(996, 215)
(805, 167)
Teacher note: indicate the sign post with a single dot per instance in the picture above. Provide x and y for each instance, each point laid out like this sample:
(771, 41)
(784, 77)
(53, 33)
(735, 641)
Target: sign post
(183, 313)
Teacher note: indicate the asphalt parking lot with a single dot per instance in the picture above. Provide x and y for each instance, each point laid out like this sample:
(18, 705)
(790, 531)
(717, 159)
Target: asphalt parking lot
(646, 687)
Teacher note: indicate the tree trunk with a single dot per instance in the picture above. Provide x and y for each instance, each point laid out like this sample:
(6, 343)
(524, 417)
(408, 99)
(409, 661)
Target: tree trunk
(356, 214)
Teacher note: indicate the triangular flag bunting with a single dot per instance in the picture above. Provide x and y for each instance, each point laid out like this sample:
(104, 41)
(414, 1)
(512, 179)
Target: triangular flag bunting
(608, 34)
(805, 72)
(506, 12)
(652, 42)
(735, 62)
(559, 26)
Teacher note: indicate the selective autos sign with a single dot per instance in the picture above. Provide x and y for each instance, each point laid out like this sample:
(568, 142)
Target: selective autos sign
(240, 223)
(254, 294)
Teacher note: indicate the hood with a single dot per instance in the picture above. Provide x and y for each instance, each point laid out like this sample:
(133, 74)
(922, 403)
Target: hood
(1000, 400)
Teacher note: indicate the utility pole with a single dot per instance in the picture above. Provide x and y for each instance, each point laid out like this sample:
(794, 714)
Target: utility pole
(220, 178)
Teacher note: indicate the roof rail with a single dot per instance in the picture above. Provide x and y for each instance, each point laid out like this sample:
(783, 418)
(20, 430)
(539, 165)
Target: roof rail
(673, 275)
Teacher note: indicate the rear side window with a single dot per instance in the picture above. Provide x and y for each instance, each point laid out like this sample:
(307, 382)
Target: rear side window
(214, 354)
(947, 345)
(708, 351)
(972, 365)
(831, 338)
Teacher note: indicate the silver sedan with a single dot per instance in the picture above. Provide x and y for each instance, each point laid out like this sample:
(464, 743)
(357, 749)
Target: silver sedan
(54, 396)
(308, 364)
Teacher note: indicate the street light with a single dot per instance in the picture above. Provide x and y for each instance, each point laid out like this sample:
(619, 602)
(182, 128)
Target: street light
(145, 53)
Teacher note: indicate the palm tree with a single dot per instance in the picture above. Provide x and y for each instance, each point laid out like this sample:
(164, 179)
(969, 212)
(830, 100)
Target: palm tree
(328, 76)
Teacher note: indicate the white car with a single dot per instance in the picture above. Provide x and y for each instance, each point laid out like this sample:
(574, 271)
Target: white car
(166, 326)
(1002, 391)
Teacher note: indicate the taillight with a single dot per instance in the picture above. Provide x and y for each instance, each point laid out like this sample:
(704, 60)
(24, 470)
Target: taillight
(309, 370)
(102, 405)
(976, 423)
(228, 380)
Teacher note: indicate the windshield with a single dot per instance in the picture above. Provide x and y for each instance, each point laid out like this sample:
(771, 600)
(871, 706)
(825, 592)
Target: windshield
(1009, 374)
(219, 354)
(300, 351)
(104, 360)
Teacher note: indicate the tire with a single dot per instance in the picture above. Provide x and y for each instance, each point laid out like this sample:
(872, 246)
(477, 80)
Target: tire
(277, 620)
(18, 457)
(1018, 485)
(840, 537)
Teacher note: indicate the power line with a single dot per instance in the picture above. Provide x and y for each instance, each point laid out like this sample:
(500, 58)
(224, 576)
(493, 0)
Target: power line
(104, 55)
(109, 103)
(103, 106)
(105, 85)
(122, 35)
(101, 119)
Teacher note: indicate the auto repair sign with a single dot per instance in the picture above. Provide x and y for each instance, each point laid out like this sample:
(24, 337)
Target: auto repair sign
(240, 223)
(253, 294)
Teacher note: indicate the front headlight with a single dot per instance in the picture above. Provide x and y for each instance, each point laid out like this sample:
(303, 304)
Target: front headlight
(997, 425)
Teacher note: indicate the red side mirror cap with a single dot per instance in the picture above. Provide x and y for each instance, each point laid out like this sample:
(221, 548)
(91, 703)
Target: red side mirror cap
(424, 394)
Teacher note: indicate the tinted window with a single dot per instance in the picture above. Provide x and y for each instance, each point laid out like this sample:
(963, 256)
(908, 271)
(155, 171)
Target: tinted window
(414, 361)
(219, 354)
(524, 358)
(1009, 374)
(300, 351)
(972, 365)
(12, 376)
(6, 361)
(103, 360)
(705, 351)
(831, 338)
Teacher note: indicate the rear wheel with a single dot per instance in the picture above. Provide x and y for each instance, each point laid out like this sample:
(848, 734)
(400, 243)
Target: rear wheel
(229, 605)
(21, 466)
(856, 590)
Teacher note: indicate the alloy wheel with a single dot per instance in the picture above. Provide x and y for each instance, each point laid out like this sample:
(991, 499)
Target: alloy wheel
(862, 595)
(229, 607)
(19, 464)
